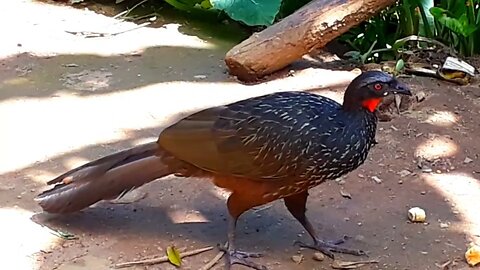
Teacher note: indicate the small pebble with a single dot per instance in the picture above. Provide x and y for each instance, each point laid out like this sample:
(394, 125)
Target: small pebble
(404, 173)
(427, 170)
(423, 192)
(376, 179)
(318, 256)
(297, 258)
(467, 160)
(443, 225)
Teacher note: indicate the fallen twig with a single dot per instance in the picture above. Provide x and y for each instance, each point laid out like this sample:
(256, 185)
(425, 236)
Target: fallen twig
(88, 34)
(161, 259)
(215, 259)
(350, 265)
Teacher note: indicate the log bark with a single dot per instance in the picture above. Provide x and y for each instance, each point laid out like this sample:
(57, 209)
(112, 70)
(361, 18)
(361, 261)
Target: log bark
(309, 28)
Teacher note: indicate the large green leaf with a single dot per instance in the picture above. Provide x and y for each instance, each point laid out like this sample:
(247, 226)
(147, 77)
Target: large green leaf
(459, 26)
(251, 12)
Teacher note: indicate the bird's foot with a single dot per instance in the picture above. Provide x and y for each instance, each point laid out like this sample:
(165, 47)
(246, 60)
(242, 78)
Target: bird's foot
(329, 248)
(241, 257)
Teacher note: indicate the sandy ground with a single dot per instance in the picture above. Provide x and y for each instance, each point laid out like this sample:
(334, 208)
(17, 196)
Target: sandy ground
(65, 99)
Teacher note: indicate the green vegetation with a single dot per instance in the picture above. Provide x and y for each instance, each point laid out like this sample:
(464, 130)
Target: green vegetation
(451, 22)
(251, 13)
(455, 23)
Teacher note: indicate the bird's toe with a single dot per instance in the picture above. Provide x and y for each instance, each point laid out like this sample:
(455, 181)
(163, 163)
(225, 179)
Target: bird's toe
(240, 257)
(329, 248)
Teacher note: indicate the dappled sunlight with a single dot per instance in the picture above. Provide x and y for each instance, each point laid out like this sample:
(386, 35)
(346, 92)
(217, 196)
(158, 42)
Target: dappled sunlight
(179, 216)
(45, 127)
(22, 239)
(442, 119)
(463, 192)
(53, 21)
(436, 147)
(73, 162)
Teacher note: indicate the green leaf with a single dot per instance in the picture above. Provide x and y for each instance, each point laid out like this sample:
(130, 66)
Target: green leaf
(251, 12)
(459, 26)
(399, 65)
(174, 256)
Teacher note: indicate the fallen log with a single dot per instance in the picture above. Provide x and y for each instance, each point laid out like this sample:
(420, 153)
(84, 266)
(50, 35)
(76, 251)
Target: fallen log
(309, 28)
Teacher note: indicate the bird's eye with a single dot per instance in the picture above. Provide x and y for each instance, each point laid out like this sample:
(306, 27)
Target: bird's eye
(377, 87)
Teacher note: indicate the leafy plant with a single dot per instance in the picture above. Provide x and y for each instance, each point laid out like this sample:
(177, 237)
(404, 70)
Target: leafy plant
(457, 23)
(452, 22)
(248, 11)
(251, 13)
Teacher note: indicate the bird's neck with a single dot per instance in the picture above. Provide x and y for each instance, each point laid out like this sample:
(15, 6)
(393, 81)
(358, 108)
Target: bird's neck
(369, 105)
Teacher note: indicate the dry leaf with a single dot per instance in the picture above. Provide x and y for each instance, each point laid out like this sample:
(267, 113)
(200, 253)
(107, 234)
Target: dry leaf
(174, 256)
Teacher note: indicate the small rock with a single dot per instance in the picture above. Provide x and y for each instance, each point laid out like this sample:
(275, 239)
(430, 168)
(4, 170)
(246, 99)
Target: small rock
(420, 96)
(200, 76)
(423, 192)
(400, 182)
(404, 173)
(427, 170)
(297, 258)
(424, 253)
(443, 225)
(19, 196)
(376, 179)
(467, 160)
(318, 256)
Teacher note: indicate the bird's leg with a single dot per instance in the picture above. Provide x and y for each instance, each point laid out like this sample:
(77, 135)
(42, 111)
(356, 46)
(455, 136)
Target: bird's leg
(237, 206)
(296, 204)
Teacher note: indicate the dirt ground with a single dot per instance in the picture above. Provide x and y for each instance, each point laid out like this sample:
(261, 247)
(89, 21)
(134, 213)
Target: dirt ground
(66, 99)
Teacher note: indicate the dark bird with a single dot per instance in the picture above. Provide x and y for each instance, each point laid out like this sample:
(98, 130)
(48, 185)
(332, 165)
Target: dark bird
(262, 149)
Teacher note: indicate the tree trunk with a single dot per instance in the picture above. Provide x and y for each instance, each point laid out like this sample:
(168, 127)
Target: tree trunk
(309, 28)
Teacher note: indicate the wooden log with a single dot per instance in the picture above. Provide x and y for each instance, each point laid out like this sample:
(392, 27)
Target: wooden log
(309, 28)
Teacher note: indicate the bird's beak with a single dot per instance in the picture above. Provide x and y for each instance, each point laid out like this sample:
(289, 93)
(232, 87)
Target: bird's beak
(397, 87)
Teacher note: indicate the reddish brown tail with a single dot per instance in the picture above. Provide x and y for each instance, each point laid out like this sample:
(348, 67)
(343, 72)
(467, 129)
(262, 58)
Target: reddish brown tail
(105, 178)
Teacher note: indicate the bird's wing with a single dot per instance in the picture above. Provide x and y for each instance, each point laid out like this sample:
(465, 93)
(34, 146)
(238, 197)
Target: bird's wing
(256, 138)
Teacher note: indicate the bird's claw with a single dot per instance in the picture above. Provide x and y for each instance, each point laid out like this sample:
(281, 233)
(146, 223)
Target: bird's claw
(240, 257)
(330, 247)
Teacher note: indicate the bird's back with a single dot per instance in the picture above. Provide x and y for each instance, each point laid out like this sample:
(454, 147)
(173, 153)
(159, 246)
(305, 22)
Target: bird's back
(287, 135)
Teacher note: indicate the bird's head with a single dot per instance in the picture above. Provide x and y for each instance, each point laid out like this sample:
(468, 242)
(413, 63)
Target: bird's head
(368, 89)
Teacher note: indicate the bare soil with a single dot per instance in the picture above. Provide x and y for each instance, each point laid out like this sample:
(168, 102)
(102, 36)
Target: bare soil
(64, 101)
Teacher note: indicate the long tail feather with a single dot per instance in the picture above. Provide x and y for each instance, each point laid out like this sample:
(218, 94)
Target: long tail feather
(104, 178)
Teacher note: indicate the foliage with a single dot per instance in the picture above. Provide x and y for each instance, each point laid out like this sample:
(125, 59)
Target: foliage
(252, 13)
(451, 22)
(249, 12)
